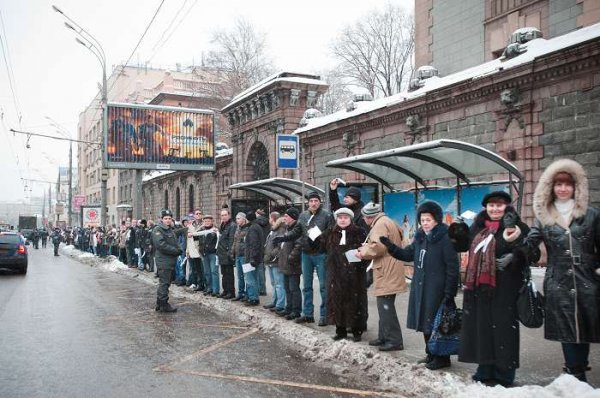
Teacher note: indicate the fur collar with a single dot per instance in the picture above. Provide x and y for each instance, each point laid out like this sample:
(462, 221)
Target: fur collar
(437, 233)
(543, 198)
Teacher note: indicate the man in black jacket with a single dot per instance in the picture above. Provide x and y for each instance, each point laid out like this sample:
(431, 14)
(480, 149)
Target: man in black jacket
(226, 261)
(167, 249)
(254, 253)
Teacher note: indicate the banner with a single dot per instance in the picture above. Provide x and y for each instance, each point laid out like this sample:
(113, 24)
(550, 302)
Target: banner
(78, 201)
(90, 216)
(152, 137)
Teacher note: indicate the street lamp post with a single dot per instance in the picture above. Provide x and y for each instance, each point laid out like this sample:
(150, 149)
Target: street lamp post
(93, 45)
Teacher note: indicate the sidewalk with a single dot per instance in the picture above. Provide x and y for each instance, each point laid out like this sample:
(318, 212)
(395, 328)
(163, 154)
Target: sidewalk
(541, 361)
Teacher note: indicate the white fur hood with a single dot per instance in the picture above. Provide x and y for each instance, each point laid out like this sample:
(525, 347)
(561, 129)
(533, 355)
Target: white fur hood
(543, 198)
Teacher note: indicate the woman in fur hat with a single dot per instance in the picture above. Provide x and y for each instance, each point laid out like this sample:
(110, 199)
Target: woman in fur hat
(435, 280)
(570, 230)
(490, 328)
(346, 282)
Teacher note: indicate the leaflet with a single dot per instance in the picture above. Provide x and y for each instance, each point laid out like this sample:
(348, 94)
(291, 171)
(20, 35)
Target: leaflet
(314, 232)
(247, 267)
(351, 256)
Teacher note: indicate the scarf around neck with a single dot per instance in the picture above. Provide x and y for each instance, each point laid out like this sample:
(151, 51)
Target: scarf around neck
(481, 268)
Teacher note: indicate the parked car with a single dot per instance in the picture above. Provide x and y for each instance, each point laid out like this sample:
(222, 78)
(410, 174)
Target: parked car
(13, 252)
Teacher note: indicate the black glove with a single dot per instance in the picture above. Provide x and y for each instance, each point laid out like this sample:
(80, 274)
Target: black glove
(386, 242)
(510, 219)
(254, 264)
(504, 261)
(277, 240)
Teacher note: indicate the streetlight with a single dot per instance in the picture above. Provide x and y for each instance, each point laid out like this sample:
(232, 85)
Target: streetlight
(93, 45)
(62, 131)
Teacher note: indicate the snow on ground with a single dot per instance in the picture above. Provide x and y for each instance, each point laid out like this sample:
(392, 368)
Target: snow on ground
(400, 377)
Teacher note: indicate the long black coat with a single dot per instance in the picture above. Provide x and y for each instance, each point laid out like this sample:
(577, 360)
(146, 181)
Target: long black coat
(346, 282)
(435, 277)
(227, 231)
(290, 254)
(255, 249)
(490, 328)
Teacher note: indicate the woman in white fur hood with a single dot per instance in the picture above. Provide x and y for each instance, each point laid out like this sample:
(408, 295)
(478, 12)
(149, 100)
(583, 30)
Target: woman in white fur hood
(570, 230)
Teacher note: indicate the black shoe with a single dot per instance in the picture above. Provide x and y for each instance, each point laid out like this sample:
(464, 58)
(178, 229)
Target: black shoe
(275, 309)
(166, 307)
(438, 362)
(229, 296)
(337, 337)
(268, 306)
(252, 303)
(223, 295)
(244, 299)
(357, 335)
(238, 298)
(180, 283)
(283, 313)
(262, 294)
(427, 359)
(322, 322)
(215, 294)
(376, 342)
(292, 316)
(305, 319)
(198, 289)
(208, 292)
(391, 347)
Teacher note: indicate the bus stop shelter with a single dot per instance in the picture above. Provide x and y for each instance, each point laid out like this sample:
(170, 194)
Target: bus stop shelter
(278, 189)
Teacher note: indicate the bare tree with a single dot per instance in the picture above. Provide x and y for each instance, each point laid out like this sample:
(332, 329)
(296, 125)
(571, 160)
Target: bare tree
(241, 54)
(376, 53)
(338, 93)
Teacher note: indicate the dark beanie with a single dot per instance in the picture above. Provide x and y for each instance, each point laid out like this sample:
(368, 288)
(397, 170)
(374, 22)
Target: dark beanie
(354, 193)
(432, 208)
(496, 195)
(251, 216)
(293, 213)
(314, 195)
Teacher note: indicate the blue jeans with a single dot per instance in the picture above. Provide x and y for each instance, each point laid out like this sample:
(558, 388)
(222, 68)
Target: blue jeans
(261, 277)
(278, 287)
(210, 264)
(179, 271)
(239, 260)
(310, 262)
(252, 285)
(207, 274)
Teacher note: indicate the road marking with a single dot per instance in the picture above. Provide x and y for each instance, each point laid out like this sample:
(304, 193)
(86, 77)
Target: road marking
(250, 379)
(168, 367)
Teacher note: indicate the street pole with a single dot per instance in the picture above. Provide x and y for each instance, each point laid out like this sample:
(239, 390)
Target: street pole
(70, 196)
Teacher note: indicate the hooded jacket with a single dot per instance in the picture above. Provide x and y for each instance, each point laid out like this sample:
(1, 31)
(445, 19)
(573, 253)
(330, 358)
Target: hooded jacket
(571, 284)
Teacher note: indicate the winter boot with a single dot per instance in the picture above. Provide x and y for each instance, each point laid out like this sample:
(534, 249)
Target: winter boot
(340, 333)
(157, 305)
(166, 307)
(438, 362)
(577, 371)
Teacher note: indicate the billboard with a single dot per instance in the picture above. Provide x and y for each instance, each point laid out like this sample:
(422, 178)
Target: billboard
(150, 137)
(78, 201)
(90, 216)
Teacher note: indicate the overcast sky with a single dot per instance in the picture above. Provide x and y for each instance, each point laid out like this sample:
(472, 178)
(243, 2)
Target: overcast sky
(57, 78)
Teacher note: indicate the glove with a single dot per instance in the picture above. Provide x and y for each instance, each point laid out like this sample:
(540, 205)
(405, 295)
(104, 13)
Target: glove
(504, 261)
(510, 219)
(386, 242)
(277, 240)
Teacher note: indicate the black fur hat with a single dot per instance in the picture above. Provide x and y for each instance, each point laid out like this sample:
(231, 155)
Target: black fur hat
(432, 208)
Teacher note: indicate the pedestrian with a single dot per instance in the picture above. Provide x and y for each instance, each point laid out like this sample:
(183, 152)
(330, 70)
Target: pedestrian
(123, 243)
(313, 222)
(570, 230)
(494, 275)
(56, 238)
(253, 255)
(238, 251)
(264, 223)
(180, 265)
(271, 261)
(210, 239)
(435, 279)
(388, 275)
(196, 278)
(130, 244)
(44, 237)
(346, 282)
(352, 200)
(226, 261)
(167, 249)
(290, 266)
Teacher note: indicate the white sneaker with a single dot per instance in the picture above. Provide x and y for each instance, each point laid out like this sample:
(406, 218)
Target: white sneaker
(192, 286)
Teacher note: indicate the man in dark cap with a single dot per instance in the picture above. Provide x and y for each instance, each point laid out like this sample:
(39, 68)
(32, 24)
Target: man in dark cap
(167, 249)
(352, 200)
(313, 222)
(254, 253)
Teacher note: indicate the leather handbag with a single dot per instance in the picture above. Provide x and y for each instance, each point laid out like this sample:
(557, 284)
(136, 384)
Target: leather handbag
(530, 303)
(445, 331)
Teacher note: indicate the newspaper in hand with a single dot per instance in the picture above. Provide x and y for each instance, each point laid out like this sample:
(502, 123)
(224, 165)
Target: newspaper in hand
(247, 267)
(314, 233)
(351, 256)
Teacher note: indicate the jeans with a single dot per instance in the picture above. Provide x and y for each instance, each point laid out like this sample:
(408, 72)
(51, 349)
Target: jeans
(262, 280)
(179, 271)
(576, 354)
(293, 296)
(239, 260)
(277, 283)
(210, 264)
(207, 274)
(252, 285)
(310, 262)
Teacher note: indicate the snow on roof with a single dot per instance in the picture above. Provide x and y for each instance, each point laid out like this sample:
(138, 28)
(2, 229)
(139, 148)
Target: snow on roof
(224, 152)
(155, 174)
(535, 49)
(277, 77)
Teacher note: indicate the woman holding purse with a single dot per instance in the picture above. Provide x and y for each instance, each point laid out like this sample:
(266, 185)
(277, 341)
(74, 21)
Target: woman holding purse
(435, 279)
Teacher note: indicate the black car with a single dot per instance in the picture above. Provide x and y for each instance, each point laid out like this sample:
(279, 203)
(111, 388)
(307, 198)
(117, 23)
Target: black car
(13, 252)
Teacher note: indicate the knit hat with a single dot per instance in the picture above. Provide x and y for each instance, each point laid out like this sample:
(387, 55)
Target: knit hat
(354, 193)
(432, 208)
(241, 214)
(293, 213)
(496, 195)
(251, 216)
(371, 209)
(314, 195)
(344, 210)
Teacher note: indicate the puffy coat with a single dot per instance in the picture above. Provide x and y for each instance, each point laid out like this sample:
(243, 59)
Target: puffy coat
(435, 277)
(388, 272)
(572, 282)
(290, 255)
(227, 232)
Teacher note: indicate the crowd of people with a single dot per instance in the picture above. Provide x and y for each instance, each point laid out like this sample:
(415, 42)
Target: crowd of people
(353, 246)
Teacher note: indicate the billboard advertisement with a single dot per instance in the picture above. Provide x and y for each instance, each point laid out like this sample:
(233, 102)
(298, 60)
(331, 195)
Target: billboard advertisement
(78, 201)
(150, 137)
(90, 216)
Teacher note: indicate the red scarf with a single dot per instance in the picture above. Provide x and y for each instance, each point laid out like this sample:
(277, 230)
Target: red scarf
(481, 268)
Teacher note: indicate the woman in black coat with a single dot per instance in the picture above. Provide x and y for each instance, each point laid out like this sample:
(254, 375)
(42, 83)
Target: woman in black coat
(570, 230)
(435, 280)
(346, 282)
(494, 275)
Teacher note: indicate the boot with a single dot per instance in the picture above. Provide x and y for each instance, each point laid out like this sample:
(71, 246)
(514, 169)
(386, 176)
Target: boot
(166, 307)
(577, 371)
(340, 333)
(356, 335)
(438, 362)
(157, 305)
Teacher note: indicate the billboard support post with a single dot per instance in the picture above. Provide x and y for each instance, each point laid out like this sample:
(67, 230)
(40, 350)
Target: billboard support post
(137, 194)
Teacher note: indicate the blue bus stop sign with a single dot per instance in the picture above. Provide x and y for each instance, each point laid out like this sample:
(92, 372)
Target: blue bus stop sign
(287, 151)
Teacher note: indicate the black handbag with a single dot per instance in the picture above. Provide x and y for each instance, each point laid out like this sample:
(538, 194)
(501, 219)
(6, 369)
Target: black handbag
(445, 331)
(530, 303)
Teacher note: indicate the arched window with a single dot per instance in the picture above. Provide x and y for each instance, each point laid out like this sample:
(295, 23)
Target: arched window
(191, 194)
(177, 204)
(258, 159)
(166, 199)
